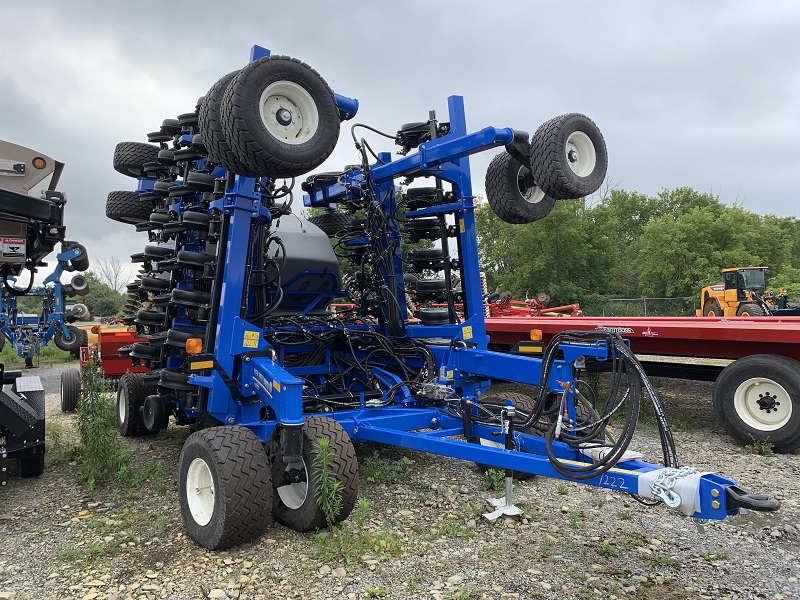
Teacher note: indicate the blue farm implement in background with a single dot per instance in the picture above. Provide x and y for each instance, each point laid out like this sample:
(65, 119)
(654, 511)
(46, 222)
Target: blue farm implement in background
(244, 343)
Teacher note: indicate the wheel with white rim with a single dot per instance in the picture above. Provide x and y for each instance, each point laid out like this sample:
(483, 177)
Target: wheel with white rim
(279, 117)
(569, 157)
(758, 398)
(295, 499)
(224, 487)
(512, 192)
(131, 394)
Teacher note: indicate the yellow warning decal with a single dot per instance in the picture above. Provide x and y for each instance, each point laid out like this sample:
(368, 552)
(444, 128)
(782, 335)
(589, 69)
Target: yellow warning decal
(276, 385)
(251, 335)
(467, 330)
(461, 225)
(202, 364)
(250, 343)
(531, 349)
(450, 374)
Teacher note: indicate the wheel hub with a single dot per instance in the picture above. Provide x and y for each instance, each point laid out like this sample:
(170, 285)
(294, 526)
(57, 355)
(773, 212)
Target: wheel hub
(200, 492)
(581, 154)
(527, 186)
(283, 116)
(288, 112)
(762, 404)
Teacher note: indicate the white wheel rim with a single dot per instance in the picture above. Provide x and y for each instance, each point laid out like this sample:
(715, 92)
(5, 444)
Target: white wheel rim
(580, 153)
(200, 492)
(762, 404)
(288, 112)
(293, 495)
(532, 195)
(122, 409)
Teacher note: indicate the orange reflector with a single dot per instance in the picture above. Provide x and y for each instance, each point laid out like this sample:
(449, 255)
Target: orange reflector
(94, 329)
(194, 346)
(39, 163)
(536, 335)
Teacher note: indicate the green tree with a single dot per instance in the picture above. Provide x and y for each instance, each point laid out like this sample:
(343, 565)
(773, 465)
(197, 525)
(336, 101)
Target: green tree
(102, 301)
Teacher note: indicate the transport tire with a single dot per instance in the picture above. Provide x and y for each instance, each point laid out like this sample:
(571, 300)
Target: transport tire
(758, 398)
(224, 487)
(280, 117)
(295, 484)
(512, 193)
(569, 158)
(712, 309)
(130, 157)
(749, 309)
(210, 123)
(131, 393)
(70, 342)
(332, 223)
(126, 207)
(70, 389)
(495, 403)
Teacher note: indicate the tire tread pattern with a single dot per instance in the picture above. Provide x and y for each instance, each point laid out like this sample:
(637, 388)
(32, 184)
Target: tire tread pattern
(244, 486)
(70, 389)
(130, 157)
(210, 123)
(505, 199)
(126, 207)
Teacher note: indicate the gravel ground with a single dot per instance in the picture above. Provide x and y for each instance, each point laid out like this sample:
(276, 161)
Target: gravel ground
(420, 538)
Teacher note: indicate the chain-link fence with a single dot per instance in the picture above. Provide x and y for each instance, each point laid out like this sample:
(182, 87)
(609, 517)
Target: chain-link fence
(640, 307)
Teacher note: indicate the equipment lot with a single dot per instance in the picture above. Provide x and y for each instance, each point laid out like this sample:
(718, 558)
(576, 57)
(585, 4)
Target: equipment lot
(419, 538)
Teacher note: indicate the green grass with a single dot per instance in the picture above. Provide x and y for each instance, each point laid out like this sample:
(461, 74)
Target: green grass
(50, 353)
(713, 555)
(376, 470)
(343, 543)
(662, 560)
(494, 480)
(608, 550)
(764, 448)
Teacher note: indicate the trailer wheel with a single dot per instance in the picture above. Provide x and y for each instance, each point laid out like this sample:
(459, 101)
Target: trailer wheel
(126, 207)
(495, 403)
(749, 309)
(712, 309)
(758, 397)
(130, 157)
(569, 157)
(71, 342)
(70, 389)
(512, 193)
(225, 488)
(280, 117)
(210, 123)
(331, 223)
(131, 394)
(295, 484)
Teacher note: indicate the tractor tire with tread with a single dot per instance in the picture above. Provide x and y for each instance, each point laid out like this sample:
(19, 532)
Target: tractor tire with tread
(126, 207)
(512, 193)
(712, 309)
(332, 223)
(749, 309)
(295, 504)
(72, 342)
(131, 393)
(70, 389)
(253, 139)
(554, 145)
(130, 157)
(224, 487)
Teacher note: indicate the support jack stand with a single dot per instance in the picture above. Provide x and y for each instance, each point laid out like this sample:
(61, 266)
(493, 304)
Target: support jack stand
(504, 506)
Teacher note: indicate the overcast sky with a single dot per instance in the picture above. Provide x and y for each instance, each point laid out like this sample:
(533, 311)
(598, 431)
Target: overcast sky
(686, 93)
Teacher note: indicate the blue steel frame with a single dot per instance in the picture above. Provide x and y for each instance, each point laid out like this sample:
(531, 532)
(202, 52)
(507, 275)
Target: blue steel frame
(264, 386)
(52, 317)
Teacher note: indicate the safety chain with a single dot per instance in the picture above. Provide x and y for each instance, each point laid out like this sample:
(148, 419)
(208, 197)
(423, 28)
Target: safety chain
(662, 486)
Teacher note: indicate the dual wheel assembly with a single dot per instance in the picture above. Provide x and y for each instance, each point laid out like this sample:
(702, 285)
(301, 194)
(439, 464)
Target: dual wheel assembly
(231, 486)
(567, 160)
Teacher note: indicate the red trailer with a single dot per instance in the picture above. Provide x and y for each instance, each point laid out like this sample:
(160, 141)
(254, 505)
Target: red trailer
(110, 338)
(755, 396)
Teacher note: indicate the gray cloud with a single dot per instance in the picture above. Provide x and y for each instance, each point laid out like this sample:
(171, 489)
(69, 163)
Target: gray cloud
(686, 93)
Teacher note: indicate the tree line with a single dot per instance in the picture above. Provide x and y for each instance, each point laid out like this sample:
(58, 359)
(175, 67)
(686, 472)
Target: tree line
(630, 245)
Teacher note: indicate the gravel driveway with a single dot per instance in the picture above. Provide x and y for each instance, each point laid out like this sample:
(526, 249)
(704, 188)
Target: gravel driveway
(422, 537)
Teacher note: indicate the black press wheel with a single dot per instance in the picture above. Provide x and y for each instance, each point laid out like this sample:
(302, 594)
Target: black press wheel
(225, 489)
(280, 117)
(749, 309)
(712, 308)
(332, 223)
(71, 342)
(80, 262)
(219, 150)
(758, 397)
(512, 193)
(70, 389)
(495, 403)
(131, 394)
(569, 157)
(295, 483)
(126, 207)
(130, 157)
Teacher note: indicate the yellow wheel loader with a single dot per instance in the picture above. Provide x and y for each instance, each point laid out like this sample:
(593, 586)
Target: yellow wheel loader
(743, 293)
